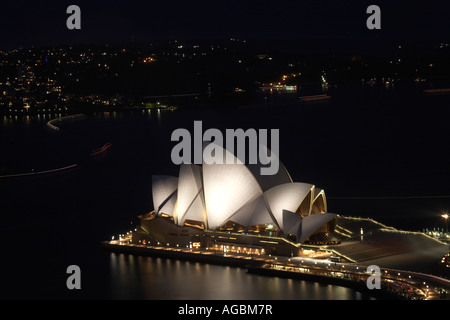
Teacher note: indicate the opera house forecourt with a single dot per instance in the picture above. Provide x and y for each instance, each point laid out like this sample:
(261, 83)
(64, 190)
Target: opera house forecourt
(231, 207)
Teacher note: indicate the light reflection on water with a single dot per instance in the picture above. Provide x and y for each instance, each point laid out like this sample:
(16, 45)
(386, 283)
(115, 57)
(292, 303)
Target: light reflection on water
(26, 120)
(140, 277)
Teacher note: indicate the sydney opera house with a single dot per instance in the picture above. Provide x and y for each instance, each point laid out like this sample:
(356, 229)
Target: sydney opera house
(232, 207)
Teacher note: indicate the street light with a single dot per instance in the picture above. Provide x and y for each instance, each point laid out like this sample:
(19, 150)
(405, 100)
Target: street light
(445, 216)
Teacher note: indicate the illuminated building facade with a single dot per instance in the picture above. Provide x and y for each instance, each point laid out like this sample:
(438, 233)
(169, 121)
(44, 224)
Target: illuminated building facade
(229, 206)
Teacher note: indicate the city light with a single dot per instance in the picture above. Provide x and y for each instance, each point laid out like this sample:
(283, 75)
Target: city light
(148, 60)
(445, 216)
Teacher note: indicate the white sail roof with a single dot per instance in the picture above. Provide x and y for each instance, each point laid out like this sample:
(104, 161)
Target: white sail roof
(227, 187)
(190, 201)
(320, 202)
(303, 228)
(286, 196)
(196, 211)
(164, 193)
(268, 181)
(253, 213)
(312, 223)
(215, 193)
(292, 222)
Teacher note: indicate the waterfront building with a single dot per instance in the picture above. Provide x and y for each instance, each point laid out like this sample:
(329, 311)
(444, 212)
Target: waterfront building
(231, 207)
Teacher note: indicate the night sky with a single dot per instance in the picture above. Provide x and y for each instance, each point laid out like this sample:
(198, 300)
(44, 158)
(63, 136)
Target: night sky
(339, 24)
